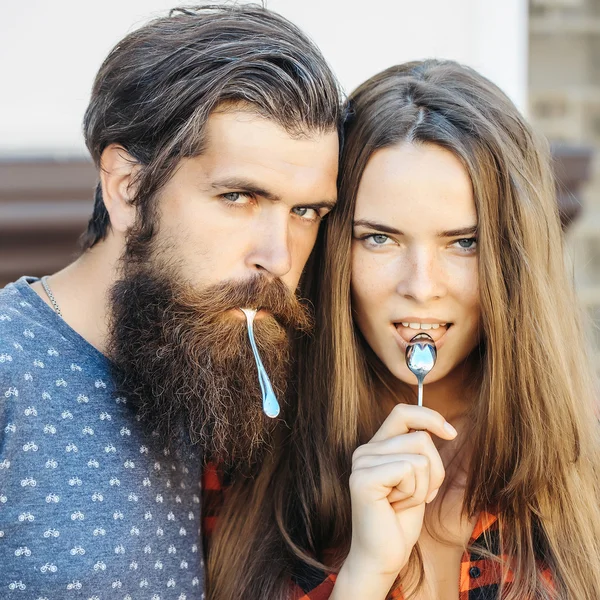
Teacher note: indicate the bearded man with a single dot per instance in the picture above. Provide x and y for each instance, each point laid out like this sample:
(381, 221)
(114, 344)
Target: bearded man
(215, 134)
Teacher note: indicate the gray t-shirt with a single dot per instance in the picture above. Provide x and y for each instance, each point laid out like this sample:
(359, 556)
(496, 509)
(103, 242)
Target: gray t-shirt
(90, 506)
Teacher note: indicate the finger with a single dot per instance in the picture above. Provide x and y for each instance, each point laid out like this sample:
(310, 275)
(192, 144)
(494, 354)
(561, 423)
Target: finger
(405, 489)
(418, 442)
(405, 417)
(406, 503)
(403, 501)
(393, 480)
(408, 486)
(373, 484)
(421, 467)
(373, 460)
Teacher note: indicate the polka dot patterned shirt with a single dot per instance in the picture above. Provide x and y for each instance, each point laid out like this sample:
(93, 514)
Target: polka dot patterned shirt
(90, 506)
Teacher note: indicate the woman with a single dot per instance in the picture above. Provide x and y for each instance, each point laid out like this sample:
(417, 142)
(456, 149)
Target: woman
(447, 224)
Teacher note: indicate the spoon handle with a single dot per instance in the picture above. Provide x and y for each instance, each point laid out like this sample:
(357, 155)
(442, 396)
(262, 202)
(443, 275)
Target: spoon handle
(420, 396)
(270, 405)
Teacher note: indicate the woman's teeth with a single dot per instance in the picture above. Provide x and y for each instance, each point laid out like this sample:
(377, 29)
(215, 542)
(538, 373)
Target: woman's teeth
(424, 326)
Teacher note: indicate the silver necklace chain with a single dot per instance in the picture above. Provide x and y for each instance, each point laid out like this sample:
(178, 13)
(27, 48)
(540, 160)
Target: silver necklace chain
(51, 296)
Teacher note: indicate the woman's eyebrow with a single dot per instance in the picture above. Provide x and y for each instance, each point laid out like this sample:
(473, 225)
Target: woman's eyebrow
(377, 226)
(457, 232)
(470, 230)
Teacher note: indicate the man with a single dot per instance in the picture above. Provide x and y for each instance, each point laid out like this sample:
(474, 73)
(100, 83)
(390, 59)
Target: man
(215, 136)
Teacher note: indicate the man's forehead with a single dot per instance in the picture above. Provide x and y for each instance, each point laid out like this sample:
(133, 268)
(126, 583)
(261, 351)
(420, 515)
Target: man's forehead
(243, 111)
(249, 147)
(237, 106)
(243, 123)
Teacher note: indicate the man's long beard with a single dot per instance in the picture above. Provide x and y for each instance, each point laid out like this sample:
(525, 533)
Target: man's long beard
(183, 358)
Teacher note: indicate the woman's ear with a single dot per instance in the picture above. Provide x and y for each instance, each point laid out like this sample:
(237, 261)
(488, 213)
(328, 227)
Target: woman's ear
(118, 170)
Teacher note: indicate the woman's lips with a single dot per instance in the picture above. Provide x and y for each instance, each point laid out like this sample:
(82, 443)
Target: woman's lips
(405, 334)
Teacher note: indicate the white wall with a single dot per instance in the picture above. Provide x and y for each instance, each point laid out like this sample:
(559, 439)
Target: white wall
(50, 51)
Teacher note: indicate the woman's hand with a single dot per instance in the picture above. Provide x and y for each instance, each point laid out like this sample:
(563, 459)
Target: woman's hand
(393, 477)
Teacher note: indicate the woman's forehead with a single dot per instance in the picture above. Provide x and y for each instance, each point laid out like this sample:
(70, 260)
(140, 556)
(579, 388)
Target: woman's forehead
(412, 180)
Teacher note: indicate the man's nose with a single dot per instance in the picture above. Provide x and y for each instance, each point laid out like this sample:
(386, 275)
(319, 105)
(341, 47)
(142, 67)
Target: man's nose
(422, 277)
(271, 252)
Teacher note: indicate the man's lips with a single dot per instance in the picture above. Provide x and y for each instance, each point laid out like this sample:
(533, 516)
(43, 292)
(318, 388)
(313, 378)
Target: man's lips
(405, 334)
(262, 313)
(238, 314)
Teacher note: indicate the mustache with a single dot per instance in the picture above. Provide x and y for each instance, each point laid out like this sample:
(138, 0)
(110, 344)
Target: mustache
(259, 293)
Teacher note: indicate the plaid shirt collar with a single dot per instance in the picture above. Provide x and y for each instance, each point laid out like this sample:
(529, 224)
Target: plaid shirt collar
(480, 577)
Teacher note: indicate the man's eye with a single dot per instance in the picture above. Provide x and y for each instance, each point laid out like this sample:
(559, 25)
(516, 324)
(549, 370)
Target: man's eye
(237, 197)
(310, 214)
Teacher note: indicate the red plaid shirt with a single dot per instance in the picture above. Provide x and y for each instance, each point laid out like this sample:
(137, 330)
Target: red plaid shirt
(480, 577)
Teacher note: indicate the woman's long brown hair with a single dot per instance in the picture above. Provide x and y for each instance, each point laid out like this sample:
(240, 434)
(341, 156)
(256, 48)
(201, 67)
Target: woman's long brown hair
(535, 428)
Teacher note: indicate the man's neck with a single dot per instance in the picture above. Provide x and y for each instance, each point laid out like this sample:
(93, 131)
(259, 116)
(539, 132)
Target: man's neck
(81, 291)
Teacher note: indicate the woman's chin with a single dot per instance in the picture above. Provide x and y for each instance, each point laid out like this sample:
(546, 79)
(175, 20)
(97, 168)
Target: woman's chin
(403, 374)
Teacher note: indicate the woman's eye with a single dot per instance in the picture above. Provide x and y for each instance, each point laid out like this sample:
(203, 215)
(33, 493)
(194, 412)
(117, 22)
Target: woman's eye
(374, 240)
(467, 243)
(378, 239)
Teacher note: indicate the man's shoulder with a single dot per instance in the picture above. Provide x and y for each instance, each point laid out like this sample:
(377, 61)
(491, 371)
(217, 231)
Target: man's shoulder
(20, 318)
(16, 316)
(30, 337)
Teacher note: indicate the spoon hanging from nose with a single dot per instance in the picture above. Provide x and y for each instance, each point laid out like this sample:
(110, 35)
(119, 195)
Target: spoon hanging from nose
(421, 355)
(269, 400)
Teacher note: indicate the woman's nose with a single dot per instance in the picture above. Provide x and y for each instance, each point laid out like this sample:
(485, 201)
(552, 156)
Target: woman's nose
(422, 278)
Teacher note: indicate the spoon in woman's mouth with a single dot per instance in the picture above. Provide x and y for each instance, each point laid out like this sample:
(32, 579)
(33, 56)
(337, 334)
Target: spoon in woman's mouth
(269, 400)
(421, 354)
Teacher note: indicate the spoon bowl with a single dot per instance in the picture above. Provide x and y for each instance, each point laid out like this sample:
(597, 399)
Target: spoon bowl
(420, 356)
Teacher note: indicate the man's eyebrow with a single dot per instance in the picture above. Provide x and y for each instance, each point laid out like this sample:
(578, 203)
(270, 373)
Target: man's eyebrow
(245, 185)
(387, 229)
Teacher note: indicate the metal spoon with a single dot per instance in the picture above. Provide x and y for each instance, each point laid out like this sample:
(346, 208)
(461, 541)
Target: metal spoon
(420, 357)
(269, 400)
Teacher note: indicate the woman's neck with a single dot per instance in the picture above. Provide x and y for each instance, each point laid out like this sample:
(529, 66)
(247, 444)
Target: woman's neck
(453, 398)
(453, 395)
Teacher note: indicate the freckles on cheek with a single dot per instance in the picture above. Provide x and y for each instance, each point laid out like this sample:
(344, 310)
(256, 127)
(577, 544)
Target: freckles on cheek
(471, 290)
(368, 283)
(462, 278)
(365, 290)
(373, 273)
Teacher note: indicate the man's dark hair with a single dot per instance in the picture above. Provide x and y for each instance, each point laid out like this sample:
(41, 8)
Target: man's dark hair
(157, 87)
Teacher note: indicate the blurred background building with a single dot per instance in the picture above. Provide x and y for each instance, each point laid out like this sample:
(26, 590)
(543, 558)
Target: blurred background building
(545, 54)
(564, 102)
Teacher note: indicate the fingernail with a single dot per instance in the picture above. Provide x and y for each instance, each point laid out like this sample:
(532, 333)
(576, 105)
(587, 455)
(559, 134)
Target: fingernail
(450, 429)
(432, 496)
